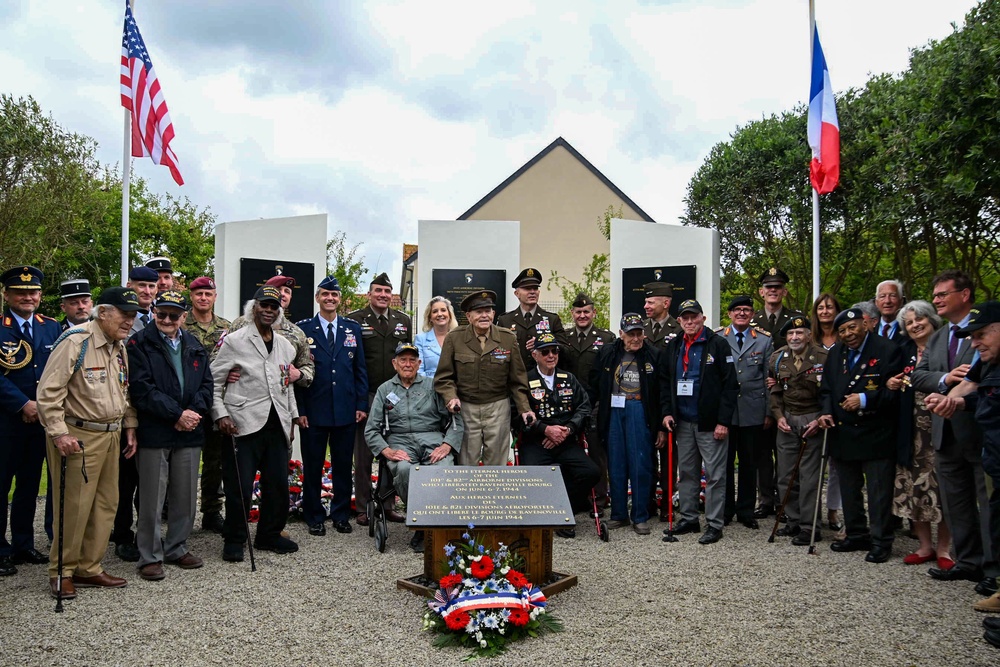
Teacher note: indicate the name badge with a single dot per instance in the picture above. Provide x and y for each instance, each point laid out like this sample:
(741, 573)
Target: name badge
(618, 400)
(392, 398)
(685, 387)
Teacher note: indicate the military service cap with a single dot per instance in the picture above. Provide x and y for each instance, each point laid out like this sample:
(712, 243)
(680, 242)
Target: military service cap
(848, 315)
(160, 264)
(582, 300)
(22, 277)
(170, 299)
(741, 300)
(544, 340)
(143, 274)
(658, 289)
(631, 321)
(281, 281)
(690, 306)
(122, 298)
(330, 283)
(797, 322)
(981, 315)
(204, 282)
(74, 287)
(773, 276)
(268, 293)
(484, 299)
(527, 278)
(406, 347)
(383, 280)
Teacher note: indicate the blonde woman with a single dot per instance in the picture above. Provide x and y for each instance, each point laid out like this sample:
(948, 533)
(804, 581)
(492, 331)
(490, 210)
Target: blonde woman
(439, 319)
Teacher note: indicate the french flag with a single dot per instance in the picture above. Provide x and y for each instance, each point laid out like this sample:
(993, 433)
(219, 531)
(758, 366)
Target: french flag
(824, 130)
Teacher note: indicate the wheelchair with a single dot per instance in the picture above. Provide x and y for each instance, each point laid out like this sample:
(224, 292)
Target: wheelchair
(382, 491)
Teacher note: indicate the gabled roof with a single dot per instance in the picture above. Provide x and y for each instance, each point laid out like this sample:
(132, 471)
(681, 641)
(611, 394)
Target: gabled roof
(530, 163)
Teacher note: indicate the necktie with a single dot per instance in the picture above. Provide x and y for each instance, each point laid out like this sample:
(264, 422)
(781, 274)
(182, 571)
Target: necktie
(798, 363)
(482, 343)
(26, 328)
(885, 330)
(582, 336)
(382, 325)
(145, 319)
(853, 358)
(739, 339)
(656, 330)
(527, 318)
(953, 347)
(773, 320)
(331, 335)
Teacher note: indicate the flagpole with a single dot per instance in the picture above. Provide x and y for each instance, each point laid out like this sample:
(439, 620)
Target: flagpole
(815, 193)
(126, 177)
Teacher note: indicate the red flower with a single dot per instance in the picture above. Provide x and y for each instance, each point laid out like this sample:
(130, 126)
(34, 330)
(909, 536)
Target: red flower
(517, 579)
(519, 617)
(294, 489)
(459, 619)
(482, 568)
(451, 580)
(254, 515)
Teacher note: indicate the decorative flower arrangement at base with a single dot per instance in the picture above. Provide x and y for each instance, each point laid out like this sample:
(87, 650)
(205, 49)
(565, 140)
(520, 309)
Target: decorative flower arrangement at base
(294, 490)
(485, 601)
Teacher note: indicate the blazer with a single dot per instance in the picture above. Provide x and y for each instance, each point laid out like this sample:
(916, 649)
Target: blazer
(478, 376)
(157, 394)
(926, 376)
(263, 381)
(379, 348)
(20, 385)
(869, 433)
(579, 356)
(430, 352)
(718, 389)
(340, 387)
(671, 329)
(751, 374)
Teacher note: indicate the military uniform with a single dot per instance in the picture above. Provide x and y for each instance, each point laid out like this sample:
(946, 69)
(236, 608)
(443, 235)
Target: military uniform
(209, 333)
(88, 400)
(796, 398)
(762, 321)
(485, 377)
(379, 342)
(525, 326)
(23, 359)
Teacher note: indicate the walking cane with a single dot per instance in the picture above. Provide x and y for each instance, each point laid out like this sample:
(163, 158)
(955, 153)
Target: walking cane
(62, 515)
(788, 490)
(246, 517)
(670, 489)
(819, 489)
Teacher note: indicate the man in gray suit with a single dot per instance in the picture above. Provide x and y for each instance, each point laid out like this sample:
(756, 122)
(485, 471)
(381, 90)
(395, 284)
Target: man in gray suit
(957, 441)
(751, 349)
(257, 412)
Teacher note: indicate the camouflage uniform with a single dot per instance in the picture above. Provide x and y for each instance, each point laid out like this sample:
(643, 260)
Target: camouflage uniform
(298, 339)
(207, 334)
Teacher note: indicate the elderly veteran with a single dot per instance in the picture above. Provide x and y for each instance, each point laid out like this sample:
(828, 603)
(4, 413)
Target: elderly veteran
(409, 424)
(862, 414)
(257, 412)
(798, 369)
(563, 410)
(479, 373)
(83, 404)
(26, 339)
(171, 392)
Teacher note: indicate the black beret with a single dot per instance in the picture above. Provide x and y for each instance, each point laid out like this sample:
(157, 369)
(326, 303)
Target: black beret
(848, 315)
(741, 300)
(797, 322)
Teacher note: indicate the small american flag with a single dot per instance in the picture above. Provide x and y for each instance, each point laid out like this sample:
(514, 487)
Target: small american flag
(152, 130)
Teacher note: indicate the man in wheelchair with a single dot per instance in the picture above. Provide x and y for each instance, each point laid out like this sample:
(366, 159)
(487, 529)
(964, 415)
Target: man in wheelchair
(409, 425)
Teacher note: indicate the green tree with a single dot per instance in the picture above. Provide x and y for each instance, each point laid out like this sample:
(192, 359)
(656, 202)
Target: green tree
(596, 284)
(348, 266)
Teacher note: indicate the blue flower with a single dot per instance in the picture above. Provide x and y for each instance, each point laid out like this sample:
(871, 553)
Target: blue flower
(491, 622)
(482, 549)
(472, 526)
(449, 549)
(465, 536)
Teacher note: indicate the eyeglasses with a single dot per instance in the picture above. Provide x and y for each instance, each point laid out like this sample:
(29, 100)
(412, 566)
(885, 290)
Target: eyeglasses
(549, 352)
(164, 315)
(267, 305)
(743, 311)
(941, 295)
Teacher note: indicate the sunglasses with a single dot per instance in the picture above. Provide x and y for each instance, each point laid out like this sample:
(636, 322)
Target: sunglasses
(163, 315)
(549, 352)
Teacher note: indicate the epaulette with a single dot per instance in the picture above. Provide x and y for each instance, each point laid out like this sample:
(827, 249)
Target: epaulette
(301, 322)
(348, 319)
(720, 329)
(762, 331)
(43, 318)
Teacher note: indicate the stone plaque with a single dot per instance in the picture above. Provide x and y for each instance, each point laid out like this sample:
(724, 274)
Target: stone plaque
(456, 284)
(633, 295)
(487, 496)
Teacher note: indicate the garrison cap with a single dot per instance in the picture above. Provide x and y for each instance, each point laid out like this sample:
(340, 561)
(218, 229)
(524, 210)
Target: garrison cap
(690, 306)
(74, 287)
(143, 274)
(268, 293)
(330, 283)
(383, 280)
(658, 289)
(159, 264)
(544, 340)
(741, 300)
(981, 315)
(484, 299)
(582, 300)
(406, 347)
(527, 278)
(22, 277)
(170, 299)
(797, 322)
(204, 282)
(848, 315)
(122, 298)
(630, 322)
(773, 276)
(281, 281)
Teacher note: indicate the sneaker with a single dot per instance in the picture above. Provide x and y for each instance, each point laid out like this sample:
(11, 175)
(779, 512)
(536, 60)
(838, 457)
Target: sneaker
(617, 523)
(641, 528)
(279, 545)
(232, 552)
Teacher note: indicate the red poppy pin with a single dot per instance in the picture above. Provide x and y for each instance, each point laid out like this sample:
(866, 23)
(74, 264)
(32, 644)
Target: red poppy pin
(872, 362)
(196, 364)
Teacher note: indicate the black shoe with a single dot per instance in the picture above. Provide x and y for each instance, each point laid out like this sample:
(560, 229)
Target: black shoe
(232, 552)
(417, 541)
(685, 527)
(992, 637)
(763, 512)
(127, 551)
(852, 544)
(30, 556)
(212, 522)
(279, 545)
(955, 574)
(728, 520)
(802, 539)
(317, 529)
(878, 555)
(837, 527)
(987, 587)
(750, 523)
(711, 536)
(343, 526)
(568, 533)
(6, 567)
(991, 623)
(782, 518)
(788, 531)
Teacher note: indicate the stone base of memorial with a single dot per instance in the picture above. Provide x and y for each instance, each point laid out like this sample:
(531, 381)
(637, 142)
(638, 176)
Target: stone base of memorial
(520, 506)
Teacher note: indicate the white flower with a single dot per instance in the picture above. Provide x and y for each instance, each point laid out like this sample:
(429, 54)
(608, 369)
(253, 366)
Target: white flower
(504, 570)
(501, 631)
(482, 642)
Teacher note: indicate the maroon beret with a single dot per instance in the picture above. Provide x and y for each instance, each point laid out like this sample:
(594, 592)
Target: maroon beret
(204, 282)
(281, 281)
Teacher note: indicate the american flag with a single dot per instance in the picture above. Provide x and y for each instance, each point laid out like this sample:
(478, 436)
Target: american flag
(152, 130)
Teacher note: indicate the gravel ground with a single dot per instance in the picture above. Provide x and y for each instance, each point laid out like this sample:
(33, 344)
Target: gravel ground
(640, 601)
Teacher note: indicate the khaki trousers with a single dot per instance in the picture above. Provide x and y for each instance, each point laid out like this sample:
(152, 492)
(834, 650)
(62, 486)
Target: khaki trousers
(487, 433)
(90, 506)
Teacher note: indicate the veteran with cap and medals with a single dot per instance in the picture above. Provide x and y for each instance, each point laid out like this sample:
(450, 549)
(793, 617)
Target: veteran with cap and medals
(797, 370)
(26, 339)
(75, 301)
(862, 415)
(83, 403)
(479, 374)
(528, 320)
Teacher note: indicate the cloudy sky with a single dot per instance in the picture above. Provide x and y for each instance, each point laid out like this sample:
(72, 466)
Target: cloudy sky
(381, 113)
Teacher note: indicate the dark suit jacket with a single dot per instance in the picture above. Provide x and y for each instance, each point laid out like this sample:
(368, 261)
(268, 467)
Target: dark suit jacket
(17, 387)
(340, 387)
(378, 348)
(928, 373)
(543, 321)
(869, 433)
(718, 387)
(651, 381)
(670, 329)
(578, 356)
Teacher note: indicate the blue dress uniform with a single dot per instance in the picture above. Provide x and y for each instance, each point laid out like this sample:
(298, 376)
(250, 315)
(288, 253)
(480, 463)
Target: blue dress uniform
(339, 389)
(22, 360)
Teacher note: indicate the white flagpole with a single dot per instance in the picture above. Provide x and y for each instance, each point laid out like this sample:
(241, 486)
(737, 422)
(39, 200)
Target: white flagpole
(126, 175)
(815, 193)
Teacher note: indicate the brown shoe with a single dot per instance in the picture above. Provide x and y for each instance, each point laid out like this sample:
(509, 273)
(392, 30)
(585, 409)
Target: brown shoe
(68, 590)
(187, 562)
(362, 519)
(102, 580)
(989, 605)
(395, 517)
(152, 571)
